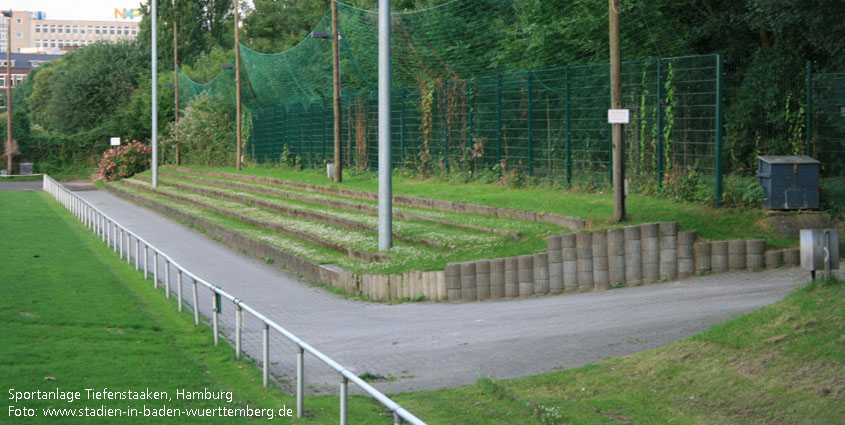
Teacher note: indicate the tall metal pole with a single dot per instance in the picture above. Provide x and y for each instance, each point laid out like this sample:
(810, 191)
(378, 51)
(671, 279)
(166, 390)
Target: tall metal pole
(154, 58)
(385, 208)
(176, 79)
(9, 145)
(237, 92)
(338, 161)
(616, 101)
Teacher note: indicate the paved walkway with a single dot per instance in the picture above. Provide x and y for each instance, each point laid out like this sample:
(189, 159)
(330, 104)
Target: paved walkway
(423, 346)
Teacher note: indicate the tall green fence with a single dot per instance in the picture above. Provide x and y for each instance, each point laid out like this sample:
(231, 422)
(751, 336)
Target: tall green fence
(549, 124)
(827, 121)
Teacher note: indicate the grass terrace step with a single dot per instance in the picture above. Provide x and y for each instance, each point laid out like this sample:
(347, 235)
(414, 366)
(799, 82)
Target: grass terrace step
(206, 203)
(330, 202)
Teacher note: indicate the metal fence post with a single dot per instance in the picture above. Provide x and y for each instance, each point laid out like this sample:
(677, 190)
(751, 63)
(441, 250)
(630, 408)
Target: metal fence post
(809, 111)
(300, 381)
(120, 249)
(402, 126)
(344, 384)
(325, 138)
(446, 126)
(266, 369)
(137, 252)
(659, 124)
(397, 420)
(568, 134)
(499, 119)
(146, 261)
(530, 138)
(719, 71)
(196, 305)
(128, 248)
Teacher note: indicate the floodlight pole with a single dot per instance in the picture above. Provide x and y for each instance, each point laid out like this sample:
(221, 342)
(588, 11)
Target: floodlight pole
(385, 208)
(338, 161)
(154, 58)
(176, 80)
(237, 92)
(616, 103)
(9, 145)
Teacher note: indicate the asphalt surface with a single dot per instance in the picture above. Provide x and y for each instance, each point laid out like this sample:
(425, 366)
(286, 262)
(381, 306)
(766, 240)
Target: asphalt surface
(424, 346)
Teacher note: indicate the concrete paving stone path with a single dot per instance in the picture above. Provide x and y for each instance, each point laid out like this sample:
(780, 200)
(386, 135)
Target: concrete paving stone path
(425, 346)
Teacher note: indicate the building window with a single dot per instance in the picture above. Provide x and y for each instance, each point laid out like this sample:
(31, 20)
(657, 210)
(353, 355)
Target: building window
(38, 28)
(52, 43)
(111, 30)
(96, 30)
(61, 28)
(134, 31)
(19, 21)
(52, 28)
(2, 80)
(37, 43)
(19, 35)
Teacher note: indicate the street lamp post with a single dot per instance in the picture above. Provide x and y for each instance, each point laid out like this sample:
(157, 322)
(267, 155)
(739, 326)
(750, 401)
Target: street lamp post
(9, 145)
(237, 92)
(335, 37)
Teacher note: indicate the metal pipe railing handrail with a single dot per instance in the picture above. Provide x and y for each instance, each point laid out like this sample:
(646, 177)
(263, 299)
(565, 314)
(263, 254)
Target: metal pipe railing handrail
(399, 412)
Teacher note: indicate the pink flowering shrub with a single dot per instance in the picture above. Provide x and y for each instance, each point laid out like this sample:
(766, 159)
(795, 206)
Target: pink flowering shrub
(124, 161)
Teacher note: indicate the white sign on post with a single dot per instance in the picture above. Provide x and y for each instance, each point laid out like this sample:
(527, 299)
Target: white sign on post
(618, 116)
(115, 141)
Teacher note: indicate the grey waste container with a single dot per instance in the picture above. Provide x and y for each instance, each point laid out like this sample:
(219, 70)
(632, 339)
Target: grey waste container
(790, 182)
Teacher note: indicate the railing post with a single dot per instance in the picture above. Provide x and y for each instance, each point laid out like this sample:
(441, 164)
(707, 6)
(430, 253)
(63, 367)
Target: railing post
(196, 305)
(215, 313)
(659, 124)
(179, 288)
(300, 381)
(113, 235)
(120, 249)
(128, 247)
(137, 252)
(344, 386)
(239, 325)
(397, 420)
(146, 261)
(155, 269)
(167, 279)
(266, 352)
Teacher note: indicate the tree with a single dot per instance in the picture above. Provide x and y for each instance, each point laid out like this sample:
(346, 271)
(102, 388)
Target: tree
(200, 24)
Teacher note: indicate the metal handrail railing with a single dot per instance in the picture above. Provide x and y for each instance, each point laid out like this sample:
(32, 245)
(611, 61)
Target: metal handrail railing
(107, 228)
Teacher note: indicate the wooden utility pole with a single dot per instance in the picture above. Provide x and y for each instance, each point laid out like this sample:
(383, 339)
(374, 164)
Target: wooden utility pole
(338, 161)
(9, 144)
(616, 103)
(176, 80)
(237, 90)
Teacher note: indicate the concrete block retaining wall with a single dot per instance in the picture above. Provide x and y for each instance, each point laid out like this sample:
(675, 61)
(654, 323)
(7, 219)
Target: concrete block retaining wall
(586, 261)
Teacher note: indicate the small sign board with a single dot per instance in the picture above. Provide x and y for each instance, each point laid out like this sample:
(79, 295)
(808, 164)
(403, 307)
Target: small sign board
(618, 116)
(115, 141)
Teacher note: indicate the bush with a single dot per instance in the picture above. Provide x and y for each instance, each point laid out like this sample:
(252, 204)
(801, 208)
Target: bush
(124, 161)
(205, 134)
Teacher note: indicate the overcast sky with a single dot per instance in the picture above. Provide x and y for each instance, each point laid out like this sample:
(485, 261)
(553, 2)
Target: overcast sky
(97, 10)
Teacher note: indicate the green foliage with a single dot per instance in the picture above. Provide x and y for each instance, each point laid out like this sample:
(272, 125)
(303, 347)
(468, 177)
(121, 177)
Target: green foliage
(690, 185)
(124, 161)
(832, 196)
(205, 134)
(86, 87)
(200, 25)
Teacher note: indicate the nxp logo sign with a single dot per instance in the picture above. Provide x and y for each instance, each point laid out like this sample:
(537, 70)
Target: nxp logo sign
(127, 13)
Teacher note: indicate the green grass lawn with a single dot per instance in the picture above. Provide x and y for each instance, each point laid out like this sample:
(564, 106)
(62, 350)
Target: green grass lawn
(74, 316)
(710, 223)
